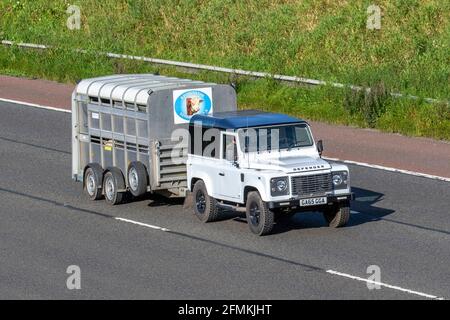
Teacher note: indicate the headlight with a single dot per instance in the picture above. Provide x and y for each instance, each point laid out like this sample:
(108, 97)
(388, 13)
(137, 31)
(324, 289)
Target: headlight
(337, 179)
(279, 186)
(340, 179)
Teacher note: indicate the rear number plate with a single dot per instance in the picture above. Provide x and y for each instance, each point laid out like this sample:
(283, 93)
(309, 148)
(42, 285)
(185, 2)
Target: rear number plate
(313, 201)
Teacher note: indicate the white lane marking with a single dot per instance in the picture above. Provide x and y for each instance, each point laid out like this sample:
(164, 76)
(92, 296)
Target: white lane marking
(362, 164)
(142, 224)
(28, 104)
(426, 295)
(328, 271)
(376, 166)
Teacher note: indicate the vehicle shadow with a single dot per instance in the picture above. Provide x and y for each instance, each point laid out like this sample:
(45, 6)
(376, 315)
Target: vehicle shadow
(157, 200)
(363, 211)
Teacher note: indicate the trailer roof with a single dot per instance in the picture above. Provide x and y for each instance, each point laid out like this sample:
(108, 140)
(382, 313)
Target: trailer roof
(132, 87)
(243, 119)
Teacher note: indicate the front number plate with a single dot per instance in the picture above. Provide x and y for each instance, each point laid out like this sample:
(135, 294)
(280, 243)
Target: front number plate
(313, 201)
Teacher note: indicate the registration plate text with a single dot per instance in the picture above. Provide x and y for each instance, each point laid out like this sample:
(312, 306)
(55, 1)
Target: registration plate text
(313, 201)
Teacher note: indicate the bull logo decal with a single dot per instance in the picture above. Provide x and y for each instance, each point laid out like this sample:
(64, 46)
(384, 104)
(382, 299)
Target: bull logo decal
(190, 102)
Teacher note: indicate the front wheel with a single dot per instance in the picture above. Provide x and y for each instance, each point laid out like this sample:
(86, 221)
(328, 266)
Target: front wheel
(337, 216)
(260, 218)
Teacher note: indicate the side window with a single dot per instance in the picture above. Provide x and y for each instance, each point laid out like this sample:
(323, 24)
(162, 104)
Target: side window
(204, 142)
(211, 143)
(229, 147)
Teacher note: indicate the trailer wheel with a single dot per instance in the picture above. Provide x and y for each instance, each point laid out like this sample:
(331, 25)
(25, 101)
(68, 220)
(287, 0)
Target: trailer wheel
(137, 178)
(92, 181)
(337, 216)
(260, 218)
(205, 206)
(113, 186)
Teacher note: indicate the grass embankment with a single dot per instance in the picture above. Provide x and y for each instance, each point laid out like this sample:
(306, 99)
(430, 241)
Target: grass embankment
(318, 39)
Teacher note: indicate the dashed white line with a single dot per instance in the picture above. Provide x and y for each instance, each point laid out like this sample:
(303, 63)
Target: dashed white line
(333, 272)
(362, 164)
(425, 295)
(143, 224)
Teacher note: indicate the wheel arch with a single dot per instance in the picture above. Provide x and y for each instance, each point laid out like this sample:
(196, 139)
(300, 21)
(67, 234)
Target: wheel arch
(256, 185)
(206, 181)
(193, 182)
(121, 182)
(247, 190)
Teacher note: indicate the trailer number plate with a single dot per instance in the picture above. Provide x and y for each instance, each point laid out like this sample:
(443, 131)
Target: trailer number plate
(313, 201)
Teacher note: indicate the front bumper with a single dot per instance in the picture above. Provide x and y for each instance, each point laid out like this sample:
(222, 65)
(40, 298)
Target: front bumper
(295, 203)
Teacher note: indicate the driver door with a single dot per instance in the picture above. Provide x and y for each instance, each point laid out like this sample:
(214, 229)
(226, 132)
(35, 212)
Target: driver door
(230, 185)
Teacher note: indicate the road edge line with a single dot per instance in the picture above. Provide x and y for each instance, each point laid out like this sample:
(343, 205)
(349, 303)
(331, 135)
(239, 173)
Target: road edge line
(376, 166)
(33, 105)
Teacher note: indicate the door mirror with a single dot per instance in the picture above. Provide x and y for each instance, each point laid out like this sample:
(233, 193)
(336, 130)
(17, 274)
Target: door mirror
(320, 147)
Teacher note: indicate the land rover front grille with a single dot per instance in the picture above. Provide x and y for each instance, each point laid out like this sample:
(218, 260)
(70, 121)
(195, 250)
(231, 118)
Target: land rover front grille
(312, 185)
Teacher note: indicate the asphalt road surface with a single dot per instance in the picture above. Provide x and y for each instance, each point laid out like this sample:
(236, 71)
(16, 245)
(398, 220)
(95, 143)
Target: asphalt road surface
(399, 223)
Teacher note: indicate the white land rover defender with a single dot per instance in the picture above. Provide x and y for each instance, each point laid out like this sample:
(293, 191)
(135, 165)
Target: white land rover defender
(265, 164)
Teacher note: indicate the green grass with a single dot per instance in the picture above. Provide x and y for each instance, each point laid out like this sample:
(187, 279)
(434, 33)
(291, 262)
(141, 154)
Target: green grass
(319, 39)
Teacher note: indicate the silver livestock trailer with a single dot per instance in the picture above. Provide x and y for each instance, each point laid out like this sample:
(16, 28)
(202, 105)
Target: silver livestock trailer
(122, 128)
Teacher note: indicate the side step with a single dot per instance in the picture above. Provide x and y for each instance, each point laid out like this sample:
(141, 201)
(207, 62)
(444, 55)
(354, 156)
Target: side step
(226, 206)
(189, 204)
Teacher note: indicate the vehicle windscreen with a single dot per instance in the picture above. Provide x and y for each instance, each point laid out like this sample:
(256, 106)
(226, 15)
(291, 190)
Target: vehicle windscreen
(284, 137)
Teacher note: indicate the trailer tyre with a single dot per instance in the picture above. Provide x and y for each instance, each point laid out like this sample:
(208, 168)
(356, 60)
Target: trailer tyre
(137, 178)
(205, 206)
(337, 216)
(92, 181)
(113, 186)
(260, 218)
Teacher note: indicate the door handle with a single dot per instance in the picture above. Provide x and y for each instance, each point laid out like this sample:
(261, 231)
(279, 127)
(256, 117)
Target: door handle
(222, 174)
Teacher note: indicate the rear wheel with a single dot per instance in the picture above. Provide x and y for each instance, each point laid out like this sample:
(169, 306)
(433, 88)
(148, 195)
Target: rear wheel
(337, 216)
(113, 186)
(260, 218)
(92, 181)
(205, 206)
(137, 178)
